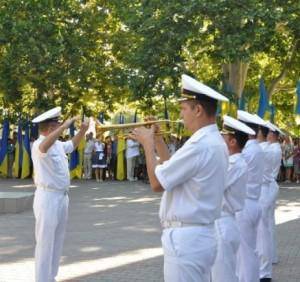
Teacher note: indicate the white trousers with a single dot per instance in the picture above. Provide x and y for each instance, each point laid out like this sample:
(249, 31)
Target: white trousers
(131, 163)
(265, 229)
(275, 189)
(87, 166)
(51, 214)
(189, 253)
(228, 237)
(247, 260)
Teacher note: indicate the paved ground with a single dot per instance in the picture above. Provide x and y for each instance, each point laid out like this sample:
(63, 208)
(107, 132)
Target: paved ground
(114, 235)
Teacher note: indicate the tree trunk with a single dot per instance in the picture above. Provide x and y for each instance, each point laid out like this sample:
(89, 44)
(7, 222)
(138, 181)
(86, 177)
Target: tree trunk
(275, 82)
(235, 74)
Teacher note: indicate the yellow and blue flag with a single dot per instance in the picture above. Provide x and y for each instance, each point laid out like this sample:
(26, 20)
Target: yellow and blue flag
(4, 149)
(121, 147)
(18, 153)
(26, 160)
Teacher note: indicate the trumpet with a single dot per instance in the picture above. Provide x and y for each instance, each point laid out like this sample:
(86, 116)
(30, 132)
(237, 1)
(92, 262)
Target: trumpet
(100, 128)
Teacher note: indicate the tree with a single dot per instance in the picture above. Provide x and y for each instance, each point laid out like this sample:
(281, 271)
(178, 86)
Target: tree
(55, 52)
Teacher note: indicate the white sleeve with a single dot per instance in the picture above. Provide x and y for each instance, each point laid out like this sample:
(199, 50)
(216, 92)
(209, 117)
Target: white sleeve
(68, 146)
(182, 166)
(36, 150)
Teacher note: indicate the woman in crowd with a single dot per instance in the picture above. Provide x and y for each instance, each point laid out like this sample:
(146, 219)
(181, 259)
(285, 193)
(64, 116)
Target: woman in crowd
(288, 152)
(108, 153)
(99, 159)
(296, 161)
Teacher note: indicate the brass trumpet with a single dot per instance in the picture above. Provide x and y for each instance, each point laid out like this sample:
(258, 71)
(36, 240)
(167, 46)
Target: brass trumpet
(100, 128)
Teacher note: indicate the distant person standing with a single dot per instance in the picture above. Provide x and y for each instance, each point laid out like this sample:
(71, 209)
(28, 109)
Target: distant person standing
(297, 161)
(88, 152)
(51, 201)
(99, 159)
(109, 156)
(132, 153)
(288, 152)
(10, 156)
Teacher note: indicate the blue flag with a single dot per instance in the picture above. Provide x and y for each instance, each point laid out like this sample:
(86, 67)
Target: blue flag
(18, 152)
(242, 103)
(34, 131)
(4, 148)
(74, 157)
(263, 105)
(297, 109)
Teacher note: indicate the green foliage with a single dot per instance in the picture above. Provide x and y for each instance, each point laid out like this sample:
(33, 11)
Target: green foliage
(104, 55)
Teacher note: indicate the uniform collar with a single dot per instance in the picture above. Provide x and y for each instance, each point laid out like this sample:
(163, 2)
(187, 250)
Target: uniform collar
(42, 137)
(203, 131)
(251, 142)
(233, 158)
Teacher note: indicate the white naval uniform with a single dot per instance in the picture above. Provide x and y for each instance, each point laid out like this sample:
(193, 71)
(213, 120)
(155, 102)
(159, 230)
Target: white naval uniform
(264, 243)
(228, 235)
(194, 180)
(276, 149)
(52, 179)
(248, 218)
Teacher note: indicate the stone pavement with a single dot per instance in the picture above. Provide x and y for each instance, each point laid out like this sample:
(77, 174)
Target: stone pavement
(114, 235)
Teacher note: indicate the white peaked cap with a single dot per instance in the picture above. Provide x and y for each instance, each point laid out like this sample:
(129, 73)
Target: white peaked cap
(236, 125)
(267, 124)
(49, 115)
(275, 128)
(250, 118)
(199, 89)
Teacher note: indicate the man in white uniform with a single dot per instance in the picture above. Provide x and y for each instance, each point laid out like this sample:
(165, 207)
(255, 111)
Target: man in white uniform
(235, 134)
(52, 179)
(264, 244)
(193, 181)
(274, 188)
(248, 218)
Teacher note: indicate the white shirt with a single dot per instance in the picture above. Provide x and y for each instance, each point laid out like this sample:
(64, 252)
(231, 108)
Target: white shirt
(133, 148)
(51, 169)
(277, 155)
(235, 191)
(194, 179)
(89, 146)
(268, 162)
(254, 157)
(98, 146)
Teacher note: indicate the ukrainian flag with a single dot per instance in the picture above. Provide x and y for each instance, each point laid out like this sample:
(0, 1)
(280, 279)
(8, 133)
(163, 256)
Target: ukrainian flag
(18, 153)
(26, 160)
(75, 158)
(121, 147)
(263, 105)
(3, 149)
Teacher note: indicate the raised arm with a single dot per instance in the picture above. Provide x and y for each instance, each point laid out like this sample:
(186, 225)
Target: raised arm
(83, 129)
(53, 136)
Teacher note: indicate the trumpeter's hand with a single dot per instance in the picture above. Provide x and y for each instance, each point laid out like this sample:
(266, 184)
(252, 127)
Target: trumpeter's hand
(143, 135)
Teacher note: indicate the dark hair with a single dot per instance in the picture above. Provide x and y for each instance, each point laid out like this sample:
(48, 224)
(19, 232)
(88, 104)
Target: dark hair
(253, 126)
(208, 104)
(264, 131)
(241, 138)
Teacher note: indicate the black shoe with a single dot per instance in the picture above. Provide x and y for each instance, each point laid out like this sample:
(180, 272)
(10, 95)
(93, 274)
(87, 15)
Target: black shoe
(265, 280)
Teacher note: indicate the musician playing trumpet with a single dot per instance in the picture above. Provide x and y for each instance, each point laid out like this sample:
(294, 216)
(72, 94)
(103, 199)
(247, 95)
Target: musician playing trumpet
(192, 182)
